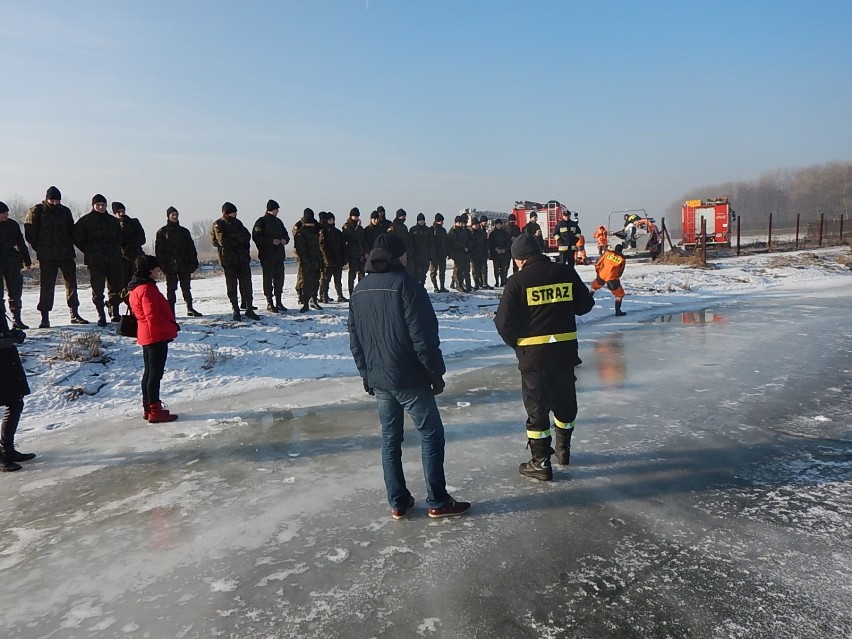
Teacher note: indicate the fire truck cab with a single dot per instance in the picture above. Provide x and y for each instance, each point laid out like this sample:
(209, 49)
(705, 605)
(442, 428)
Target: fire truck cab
(549, 215)
(717, 214)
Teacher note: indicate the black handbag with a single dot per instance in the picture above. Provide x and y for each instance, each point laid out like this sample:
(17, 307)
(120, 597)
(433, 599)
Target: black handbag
(127, 325)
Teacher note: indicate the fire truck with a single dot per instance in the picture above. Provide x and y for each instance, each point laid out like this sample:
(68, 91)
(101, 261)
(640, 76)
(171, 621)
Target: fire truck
(717, 214)
(549, 215)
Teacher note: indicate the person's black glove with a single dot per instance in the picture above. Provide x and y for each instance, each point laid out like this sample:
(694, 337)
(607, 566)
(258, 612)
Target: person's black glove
(438, 386)
(367, 388)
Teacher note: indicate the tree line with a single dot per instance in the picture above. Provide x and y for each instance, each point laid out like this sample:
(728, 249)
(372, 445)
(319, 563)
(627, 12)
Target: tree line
(823, 189)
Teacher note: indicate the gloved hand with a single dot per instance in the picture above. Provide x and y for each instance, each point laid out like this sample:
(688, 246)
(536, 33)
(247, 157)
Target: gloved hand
(438, 386)
(367, 388)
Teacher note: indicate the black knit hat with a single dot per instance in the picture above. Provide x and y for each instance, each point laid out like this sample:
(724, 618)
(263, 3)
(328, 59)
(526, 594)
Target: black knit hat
(228, 208)
(421, 217)
(354, 212)
(308, 216)
(271, 205)
(144, 264)
(329, 216)
(171, 210)
(97, 198)
(525, 246)
(118, 206)
(3, 208)
(511, 217)
(458, 219)
(439, 217)
(380, 209)
(400, 213)
(374, 215)
(53, 194)
(497, 221)
(392, 243)
(483, 219)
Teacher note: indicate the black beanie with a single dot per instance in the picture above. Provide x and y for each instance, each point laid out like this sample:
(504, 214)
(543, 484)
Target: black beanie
(439, 217)
(458, 219)
(144, 264)
(308, 216)
(323, 216)
(3, 208)
(401, 213)
(483, 219)
(228, 208)
(171, 210)
(525, 246)
(329, 216)
(53, 194)
(272, 205)
(512, 217)
(374, 215)
(118, 206)
(421, 217)
(354, 212)
(97, 198)
(392, 243)
(380, 209)
(498, 221)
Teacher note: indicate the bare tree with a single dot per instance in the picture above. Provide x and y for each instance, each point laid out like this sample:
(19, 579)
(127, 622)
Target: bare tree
(18, 208)
(200, 232)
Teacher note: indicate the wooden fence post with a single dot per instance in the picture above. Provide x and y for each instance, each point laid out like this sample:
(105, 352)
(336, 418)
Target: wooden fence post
(797, 230)
(841, 228)
(821, 220)
(769, 235)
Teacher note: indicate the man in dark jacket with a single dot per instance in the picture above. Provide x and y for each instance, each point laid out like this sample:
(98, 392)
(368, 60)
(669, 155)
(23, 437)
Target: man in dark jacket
(459, 239)
(270, 236)
(331, 249)
(14, 256)
(372, 231)
(132, 240)
(440, 252)
(178, 257)
(479, 253)
(49, 228)
(537, 318)
(534, 229)
(420, 241)
(514, 231)
(354, 247)
(499, 247)
(566, 233)
(233, 242)
(306, 241)
(98, 236)
(393, 336)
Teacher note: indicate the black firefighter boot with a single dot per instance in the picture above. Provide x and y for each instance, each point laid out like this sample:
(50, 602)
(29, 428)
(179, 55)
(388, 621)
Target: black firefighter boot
(618, 311)
(539, 466)
(563, 444)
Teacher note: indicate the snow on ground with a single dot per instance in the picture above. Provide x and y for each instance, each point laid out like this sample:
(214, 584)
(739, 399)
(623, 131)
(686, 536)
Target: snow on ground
(215, 357)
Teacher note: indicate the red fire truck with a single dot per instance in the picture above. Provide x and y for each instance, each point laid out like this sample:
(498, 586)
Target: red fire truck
(549, 215)
(718, 216)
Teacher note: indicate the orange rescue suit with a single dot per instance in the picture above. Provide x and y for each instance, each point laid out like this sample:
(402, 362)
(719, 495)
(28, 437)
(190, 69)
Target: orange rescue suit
(580, 255)
(609, 268)
(601, 236)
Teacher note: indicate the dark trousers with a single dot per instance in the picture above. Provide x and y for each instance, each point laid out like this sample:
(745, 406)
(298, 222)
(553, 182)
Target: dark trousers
(546, 392)
(479, 266)
(310, 279)
(421, 267)
(239, 275)
(11, 417)
(273, 278)
(154, 356)
(14, 284)
(172, 280)
(501, 269)
(356, 268)
(461, 273)
(48, 270)
(329, 274)
(438, 273)
(109, 278)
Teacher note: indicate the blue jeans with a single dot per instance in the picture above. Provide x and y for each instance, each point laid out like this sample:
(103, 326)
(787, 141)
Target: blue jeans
(423, 410)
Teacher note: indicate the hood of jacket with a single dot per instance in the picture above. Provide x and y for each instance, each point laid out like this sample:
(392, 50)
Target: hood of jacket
(382, 261)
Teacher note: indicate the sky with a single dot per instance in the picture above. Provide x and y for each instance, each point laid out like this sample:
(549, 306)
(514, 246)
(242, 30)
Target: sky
(427, 106)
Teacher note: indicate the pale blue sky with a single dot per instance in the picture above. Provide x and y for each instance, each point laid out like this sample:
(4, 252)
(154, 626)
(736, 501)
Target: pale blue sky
(428, 106)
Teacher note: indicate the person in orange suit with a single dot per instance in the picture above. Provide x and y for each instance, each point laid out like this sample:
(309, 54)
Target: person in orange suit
(609, 268)
(601, 237)
(580, 253)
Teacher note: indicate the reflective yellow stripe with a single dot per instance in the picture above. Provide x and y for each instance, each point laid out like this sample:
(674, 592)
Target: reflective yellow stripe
(538, 434)
(547, 339)
(563, 425)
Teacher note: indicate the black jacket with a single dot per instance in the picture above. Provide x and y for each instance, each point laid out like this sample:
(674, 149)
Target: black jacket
(50, 231)
(132, 237)
(98, 236)
(393, 331)
(232, 239)
(440, 243)
(175, 249)
(539, 307)
(265, 230)
(14, 378)
(13, 250)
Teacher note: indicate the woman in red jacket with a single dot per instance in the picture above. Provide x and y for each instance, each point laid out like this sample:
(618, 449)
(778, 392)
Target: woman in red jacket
(157, 327)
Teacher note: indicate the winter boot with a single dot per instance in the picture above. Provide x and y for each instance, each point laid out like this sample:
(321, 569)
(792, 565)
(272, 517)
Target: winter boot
(252, 315)
(12, 455)
(618, 311)
(157, 413)
(45, 320)
(315, 305)
(145, 409)
(236, 315)
(539, 466)
(7, 465)
(433, 278)
(191, 312)
(270, 306)
(76, 319)
(279, 306)
(304, 308)
(115, 313)
(101, 316)
(340, 297)
(563, 444)
(17, 322)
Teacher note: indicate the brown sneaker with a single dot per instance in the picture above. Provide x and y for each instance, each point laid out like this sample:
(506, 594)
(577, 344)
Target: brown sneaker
(399, 513)
(452, 508)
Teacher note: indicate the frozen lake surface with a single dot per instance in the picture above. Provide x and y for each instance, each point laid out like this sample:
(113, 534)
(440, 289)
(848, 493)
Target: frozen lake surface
(708, 496)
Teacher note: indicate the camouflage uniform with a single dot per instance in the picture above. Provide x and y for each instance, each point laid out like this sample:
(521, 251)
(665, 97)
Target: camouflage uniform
(440, 252)
(266, 230)
(232, 240)
(332, 251)
(420, 245)
(306, 241)
(354, 247)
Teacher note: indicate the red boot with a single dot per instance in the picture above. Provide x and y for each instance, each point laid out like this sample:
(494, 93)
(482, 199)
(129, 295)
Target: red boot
(157, 414)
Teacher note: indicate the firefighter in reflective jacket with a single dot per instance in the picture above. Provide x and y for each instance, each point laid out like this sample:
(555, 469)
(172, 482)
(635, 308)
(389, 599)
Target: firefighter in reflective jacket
(537, 318)
(610, 267)
(566, 233)
(601, 236)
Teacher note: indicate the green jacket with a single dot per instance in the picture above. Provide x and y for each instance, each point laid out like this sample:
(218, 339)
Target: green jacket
(233, 241)
(265, 230)
(50, 231)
